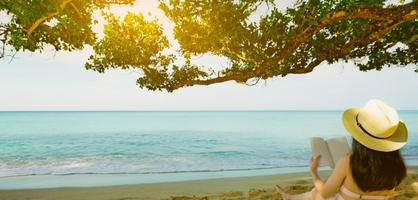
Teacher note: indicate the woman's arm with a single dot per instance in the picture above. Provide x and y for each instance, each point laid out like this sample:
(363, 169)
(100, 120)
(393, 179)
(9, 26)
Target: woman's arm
(334, 182)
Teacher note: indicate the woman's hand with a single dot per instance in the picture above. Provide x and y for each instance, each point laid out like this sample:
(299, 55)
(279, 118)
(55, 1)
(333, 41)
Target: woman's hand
(315, 164)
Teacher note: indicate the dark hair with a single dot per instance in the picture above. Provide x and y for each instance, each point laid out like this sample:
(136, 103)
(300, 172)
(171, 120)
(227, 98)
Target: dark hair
(375, 170)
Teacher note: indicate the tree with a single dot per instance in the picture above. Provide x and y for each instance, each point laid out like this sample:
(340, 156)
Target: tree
(63, 24)
(370, 33)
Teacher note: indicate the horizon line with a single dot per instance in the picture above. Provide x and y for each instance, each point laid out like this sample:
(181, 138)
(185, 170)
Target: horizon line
(243, 110)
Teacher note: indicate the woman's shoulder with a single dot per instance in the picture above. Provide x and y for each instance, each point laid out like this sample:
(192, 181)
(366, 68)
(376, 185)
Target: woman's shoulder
(344, 162)
(342, 167)
(346, 157)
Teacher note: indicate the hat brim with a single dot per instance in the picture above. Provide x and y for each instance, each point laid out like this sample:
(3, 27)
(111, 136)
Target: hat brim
(393, 143)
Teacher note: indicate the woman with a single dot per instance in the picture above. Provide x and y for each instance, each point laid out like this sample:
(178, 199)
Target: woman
(375, 166)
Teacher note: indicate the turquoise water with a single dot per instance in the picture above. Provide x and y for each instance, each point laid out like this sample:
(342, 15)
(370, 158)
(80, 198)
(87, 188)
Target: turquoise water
(151, 145)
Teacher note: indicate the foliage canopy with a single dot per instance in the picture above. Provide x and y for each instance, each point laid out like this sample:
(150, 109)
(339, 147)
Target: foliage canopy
(370, 33)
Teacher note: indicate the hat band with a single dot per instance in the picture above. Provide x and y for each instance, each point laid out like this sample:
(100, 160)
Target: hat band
(365, 131)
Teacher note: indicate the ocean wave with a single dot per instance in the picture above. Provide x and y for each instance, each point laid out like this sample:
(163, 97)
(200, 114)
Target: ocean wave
(151, 172)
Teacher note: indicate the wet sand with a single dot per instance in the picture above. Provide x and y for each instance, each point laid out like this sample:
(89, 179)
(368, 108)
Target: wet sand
(254, 188)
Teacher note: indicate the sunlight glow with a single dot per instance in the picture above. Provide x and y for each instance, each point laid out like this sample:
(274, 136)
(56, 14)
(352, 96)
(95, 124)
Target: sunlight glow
(148, 8)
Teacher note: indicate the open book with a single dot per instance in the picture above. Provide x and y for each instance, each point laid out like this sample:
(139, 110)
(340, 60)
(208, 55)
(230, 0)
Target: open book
(331, 150)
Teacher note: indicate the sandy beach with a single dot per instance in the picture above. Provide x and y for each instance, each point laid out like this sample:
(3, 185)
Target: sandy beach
(257, 188)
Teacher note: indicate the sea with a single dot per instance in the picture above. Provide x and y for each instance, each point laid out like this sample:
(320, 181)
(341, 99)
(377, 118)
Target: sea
(82, 149)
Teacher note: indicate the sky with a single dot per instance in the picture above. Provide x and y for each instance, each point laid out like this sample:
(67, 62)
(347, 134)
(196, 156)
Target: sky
(52, 81)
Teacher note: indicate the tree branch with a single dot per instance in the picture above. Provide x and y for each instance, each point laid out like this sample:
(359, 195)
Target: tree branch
(44, 18)
(76, 9)
(401, 13)
(391, 17)
(237, 56)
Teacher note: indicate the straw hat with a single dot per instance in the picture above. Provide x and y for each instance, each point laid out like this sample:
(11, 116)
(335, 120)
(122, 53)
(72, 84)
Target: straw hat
(376, 126)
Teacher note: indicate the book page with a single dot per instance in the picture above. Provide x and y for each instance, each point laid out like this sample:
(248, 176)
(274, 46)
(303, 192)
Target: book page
(320, 147)
(338, 147)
